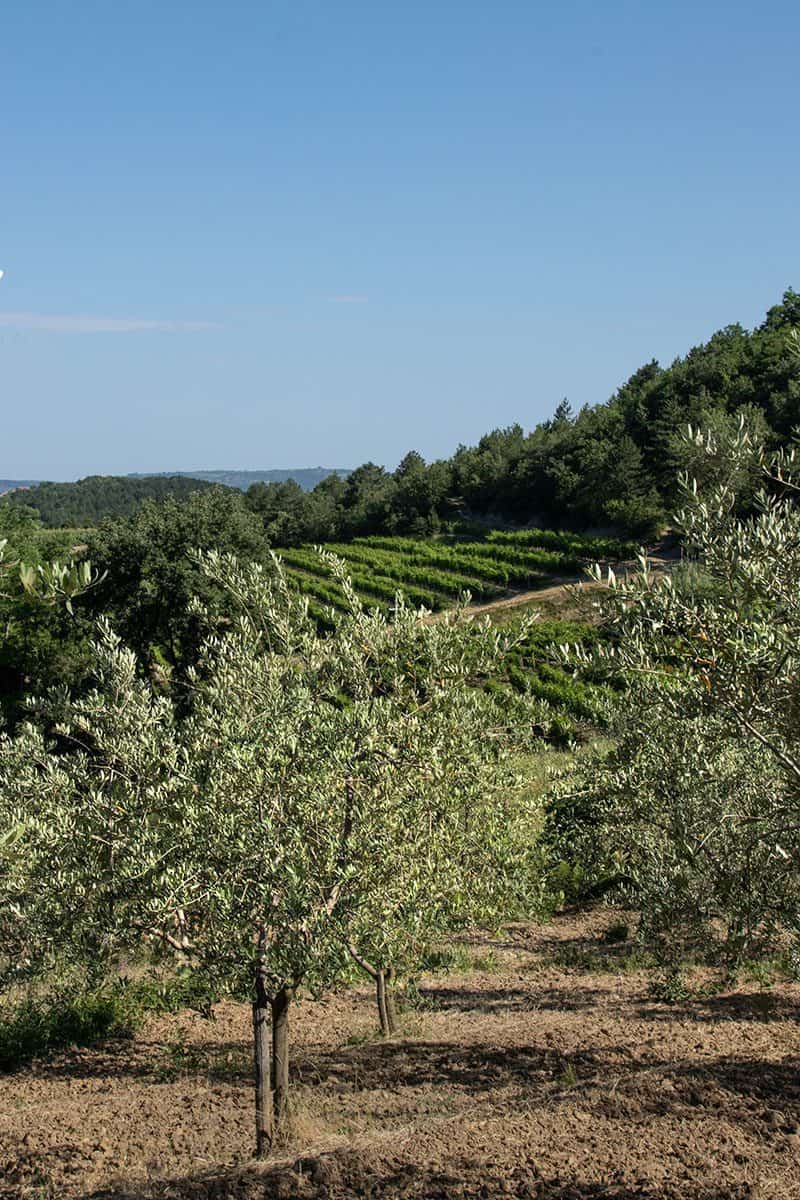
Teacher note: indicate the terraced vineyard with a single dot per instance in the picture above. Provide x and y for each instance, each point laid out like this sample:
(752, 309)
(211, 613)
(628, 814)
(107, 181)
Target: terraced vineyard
(436, 572)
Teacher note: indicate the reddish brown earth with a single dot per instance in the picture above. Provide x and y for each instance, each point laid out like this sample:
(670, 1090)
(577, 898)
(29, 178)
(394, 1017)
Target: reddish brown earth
(532, 1079)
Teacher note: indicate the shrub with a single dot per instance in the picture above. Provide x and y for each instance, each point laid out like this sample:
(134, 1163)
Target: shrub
(40, 1024)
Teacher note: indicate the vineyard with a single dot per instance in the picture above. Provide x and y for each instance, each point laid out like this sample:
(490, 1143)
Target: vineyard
(436, 573)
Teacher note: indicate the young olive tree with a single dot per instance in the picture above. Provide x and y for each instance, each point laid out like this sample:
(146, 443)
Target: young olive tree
(262, 833)
(330, 776)
(437, 777)
(457, 846)
(700, 798)
(92, 814)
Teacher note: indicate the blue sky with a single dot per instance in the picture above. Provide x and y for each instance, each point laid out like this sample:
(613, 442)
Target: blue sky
(295, 233)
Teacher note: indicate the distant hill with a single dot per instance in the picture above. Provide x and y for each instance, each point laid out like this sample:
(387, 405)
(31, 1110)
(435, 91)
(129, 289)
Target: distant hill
(306, 477)
(9, 485)
(89, 501)
(86, 502)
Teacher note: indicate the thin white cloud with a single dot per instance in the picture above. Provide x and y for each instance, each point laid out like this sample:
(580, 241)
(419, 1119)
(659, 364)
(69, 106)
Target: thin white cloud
(66, 323)
(348, 299)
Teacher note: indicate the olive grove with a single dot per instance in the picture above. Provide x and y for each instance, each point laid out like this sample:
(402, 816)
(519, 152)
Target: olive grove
(325, 797)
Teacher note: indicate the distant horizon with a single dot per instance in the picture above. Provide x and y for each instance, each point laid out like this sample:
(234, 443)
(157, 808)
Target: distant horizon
(29, 481)
(233, 470)
(181, 471)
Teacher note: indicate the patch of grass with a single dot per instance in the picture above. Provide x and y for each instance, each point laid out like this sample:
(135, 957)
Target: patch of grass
(568, 1078)
(791, 963)
(458, 957)
(766, 972)
(763, 972)
(411, 999)
(364, 1038)
(42, 1023)
(601, 958)
(671, 988)
(485, 961)
(214, 1062)
(39, 1025)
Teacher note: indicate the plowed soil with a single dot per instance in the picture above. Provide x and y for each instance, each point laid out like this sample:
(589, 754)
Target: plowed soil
(552, 1074)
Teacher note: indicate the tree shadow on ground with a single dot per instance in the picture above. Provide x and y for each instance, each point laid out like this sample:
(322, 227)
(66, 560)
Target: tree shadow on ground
(730, 1006)
(763, 1086)
(509, 999)
(762, 1099)
(760, 1096)
(224, 1061)
(400, 1063)
(347, 1174)
(476, 1069)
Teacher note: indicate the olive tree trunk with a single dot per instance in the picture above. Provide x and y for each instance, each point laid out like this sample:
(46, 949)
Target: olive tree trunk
(391, 1009)
(384, 992)
(380, 991)
(265, 1121)
(280, 1055)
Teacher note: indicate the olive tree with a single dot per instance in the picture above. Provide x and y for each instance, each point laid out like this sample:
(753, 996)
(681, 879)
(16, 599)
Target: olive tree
(93, 814)
(334, 779)
(245, 835)
(457, 847)
(700, 798)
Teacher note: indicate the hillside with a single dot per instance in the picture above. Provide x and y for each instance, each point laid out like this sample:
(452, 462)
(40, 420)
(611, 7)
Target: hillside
(94, 499)
(86, 502)
(437, 572)
(306, 477)
(612, 465)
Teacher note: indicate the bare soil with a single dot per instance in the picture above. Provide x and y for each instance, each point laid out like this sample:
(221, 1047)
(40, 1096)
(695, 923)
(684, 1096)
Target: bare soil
(555, 593)
(552, 1074)
(558, 598)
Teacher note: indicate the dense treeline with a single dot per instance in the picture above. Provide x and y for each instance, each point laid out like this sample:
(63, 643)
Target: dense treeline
(99, 497)
(148, 581)
(614, 464)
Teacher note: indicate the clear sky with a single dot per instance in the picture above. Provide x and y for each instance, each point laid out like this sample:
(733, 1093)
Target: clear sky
(297, 232)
